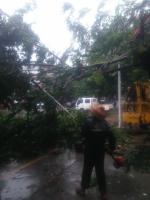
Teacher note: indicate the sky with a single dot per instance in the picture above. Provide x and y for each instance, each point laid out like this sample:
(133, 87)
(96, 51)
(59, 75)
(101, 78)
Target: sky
(48, 21)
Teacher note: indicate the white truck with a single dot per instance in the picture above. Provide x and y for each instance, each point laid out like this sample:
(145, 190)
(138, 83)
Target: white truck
(85, 103)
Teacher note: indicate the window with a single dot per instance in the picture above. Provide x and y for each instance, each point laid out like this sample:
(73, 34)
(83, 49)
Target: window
(87, 100)
(80, 101)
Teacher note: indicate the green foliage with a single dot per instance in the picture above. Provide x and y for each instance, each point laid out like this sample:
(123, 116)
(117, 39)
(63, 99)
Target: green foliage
(22, 137)
(92, 83)
(69, 128)
(16, 47)
(18, 44)
(110, 36)
(122, 136)
(96, 78)
(139, 159)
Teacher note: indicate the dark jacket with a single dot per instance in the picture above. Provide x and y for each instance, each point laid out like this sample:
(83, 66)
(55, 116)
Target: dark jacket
(96, 132)
(131, 96)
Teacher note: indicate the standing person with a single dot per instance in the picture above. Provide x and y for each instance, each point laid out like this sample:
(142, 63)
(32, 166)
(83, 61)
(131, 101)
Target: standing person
(95, 131)
(129, 96)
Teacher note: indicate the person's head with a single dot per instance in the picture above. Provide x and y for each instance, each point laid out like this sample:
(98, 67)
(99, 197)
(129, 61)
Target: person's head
(98, 111)
(129, 88)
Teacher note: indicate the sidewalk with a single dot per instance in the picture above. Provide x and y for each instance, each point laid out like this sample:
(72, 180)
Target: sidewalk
(64, 174)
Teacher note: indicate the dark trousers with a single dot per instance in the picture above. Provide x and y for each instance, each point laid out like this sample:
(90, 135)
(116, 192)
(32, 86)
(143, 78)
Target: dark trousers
(89, 162)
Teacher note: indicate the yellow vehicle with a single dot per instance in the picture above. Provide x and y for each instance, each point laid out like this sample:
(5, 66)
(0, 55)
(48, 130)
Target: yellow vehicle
(138, 111)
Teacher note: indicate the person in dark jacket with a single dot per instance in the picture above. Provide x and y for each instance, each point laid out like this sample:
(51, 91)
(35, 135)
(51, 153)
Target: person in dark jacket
(129, 95)
(95, 131)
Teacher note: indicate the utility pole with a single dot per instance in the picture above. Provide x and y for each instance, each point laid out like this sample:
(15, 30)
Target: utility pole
(119, 97)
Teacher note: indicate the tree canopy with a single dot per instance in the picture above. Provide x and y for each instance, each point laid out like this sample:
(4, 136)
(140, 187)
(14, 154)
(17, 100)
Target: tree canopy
(123, 36)
(19, 44)
(94, 53)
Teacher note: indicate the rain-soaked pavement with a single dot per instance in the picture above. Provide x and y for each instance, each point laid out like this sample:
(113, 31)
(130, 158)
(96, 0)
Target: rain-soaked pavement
(55, 176)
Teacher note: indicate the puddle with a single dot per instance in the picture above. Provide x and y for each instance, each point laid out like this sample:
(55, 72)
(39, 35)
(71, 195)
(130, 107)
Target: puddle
(18, 187)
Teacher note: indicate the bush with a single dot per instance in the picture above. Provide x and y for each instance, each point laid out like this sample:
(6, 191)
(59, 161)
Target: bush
(69, 128)
(122, 136)
(22, 136)
(139, 159)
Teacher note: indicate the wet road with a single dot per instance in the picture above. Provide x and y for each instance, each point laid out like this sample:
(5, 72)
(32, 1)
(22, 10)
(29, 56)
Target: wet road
(56, 176)
(19, 180)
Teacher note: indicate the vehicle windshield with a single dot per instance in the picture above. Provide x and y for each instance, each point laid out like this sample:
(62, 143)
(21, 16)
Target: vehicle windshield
(79, 101)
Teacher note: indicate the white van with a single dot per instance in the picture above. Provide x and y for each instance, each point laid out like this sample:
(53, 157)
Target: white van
(85, 103)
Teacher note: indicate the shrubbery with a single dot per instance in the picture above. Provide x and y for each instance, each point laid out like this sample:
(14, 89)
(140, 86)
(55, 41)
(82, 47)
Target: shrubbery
(28, 134)
(139, 159)
(22, 136)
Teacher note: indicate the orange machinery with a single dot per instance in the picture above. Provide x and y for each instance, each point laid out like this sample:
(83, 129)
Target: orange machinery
(138, 111)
